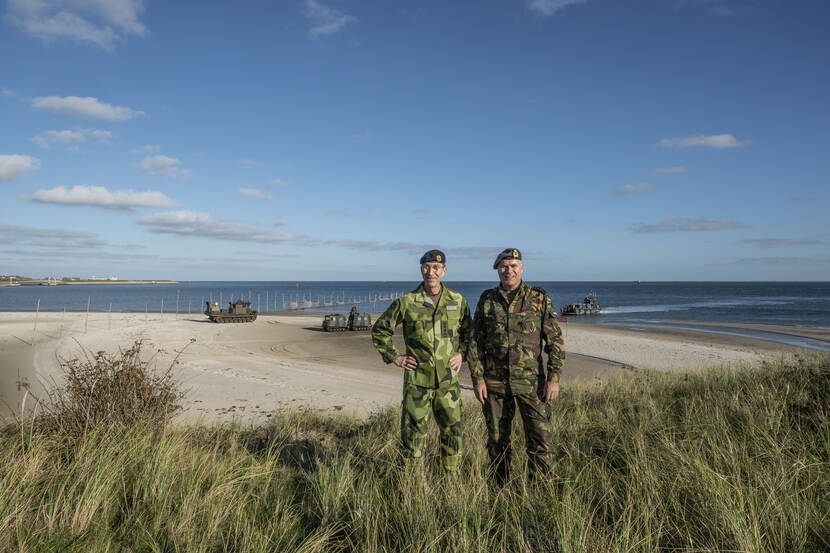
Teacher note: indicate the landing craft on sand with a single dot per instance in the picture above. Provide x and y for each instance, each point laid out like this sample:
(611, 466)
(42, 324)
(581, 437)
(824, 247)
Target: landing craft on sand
(237, 312)
(589, 306)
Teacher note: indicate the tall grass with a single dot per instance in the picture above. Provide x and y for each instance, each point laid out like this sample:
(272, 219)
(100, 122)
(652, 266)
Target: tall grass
(722, 460)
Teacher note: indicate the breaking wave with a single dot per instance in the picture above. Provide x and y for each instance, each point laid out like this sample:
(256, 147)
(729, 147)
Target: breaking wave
(661, 308)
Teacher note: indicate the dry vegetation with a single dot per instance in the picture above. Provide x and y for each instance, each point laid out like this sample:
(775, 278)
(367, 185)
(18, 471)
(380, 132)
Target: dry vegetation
(723, 460)
(103, 391)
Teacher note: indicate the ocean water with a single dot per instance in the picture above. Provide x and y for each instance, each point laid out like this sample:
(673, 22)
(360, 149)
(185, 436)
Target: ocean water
(776, 303)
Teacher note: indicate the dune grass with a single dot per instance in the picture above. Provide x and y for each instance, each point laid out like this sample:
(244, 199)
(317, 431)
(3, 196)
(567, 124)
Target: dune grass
(721, 460)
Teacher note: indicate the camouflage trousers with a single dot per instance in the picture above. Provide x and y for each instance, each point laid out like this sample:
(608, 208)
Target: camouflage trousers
(499, 408)
(418, 406)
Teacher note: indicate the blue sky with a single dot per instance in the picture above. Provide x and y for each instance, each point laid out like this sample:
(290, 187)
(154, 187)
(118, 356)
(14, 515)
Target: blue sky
(338, 140)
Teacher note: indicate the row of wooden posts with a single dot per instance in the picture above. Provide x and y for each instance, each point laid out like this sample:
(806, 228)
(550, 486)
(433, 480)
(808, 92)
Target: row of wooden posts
(298, 303)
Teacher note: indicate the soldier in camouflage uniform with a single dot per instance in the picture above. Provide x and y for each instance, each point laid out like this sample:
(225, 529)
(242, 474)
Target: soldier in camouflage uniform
(513, 324)
(436, 329)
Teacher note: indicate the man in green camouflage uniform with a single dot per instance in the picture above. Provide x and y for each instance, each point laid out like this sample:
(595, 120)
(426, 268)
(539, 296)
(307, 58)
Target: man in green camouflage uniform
(436, 329)
(513, 324)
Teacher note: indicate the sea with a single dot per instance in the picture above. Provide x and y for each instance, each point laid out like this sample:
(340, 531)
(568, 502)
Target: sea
(771, 303)
(639, 304)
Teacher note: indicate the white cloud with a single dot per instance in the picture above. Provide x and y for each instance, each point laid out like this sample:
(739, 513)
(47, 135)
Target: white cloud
(202, 224)
(787, 261)
(104, 23)
(49, 244)
(281, 223)
(766, 243)
(7, 93)
(14, 165)
(686, 225)
(712, 7)
(721, 10)
(469, 252)
(326, 20)
(65, 138)
(550, 7)
(70, 137)
(35, 236)
(249, 163)
(670, 170)
(255, 194)
(147, 149)
(339, 213)
(164, 166)
(710, 141)
(802, 199)
(634, 188)
(99, 196)
(85, 107)
(191, 223)
(101, 136)
(362, 136)
(280, 182)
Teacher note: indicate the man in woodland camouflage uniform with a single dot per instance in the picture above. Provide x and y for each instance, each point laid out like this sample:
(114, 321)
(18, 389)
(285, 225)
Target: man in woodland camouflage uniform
(436, 329)
(513, 324)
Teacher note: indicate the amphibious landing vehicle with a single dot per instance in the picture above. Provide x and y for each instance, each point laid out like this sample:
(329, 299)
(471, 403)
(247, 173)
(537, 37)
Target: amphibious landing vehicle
(589, 306)
(237, 312)
(337, 322)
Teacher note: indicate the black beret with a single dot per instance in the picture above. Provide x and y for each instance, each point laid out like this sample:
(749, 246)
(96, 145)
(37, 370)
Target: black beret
(436, 256)
(509, 253)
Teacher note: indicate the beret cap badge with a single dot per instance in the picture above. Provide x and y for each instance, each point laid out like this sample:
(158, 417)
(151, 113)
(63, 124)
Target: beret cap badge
(509, 253)
(433, 256)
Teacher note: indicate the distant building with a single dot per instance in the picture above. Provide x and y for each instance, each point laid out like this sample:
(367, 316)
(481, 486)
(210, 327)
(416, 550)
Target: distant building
(104, 278)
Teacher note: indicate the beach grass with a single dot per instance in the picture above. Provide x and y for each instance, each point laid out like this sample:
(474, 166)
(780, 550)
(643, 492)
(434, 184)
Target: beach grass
(729, 459)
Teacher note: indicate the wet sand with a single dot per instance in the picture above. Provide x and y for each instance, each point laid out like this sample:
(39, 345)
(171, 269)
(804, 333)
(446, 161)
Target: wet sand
(243, 372)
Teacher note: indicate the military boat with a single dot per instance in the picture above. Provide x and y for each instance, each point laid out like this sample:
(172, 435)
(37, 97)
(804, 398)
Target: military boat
(589, 306)
(237, 312)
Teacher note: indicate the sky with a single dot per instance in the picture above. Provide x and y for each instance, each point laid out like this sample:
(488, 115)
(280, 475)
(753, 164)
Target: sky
(340, 139)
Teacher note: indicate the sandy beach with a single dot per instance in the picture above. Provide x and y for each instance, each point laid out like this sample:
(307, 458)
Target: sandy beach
(243, 372)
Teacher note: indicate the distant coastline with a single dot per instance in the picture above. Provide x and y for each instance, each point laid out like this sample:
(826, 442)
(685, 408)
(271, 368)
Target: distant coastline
(47, 282)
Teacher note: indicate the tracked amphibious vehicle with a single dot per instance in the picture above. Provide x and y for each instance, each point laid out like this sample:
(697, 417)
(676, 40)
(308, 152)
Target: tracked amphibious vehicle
(338, 322)
(589, 306)
(237, 312)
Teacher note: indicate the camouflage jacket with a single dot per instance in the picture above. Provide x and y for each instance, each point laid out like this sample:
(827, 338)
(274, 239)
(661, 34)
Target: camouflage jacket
(430, 334)
(508, 340)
